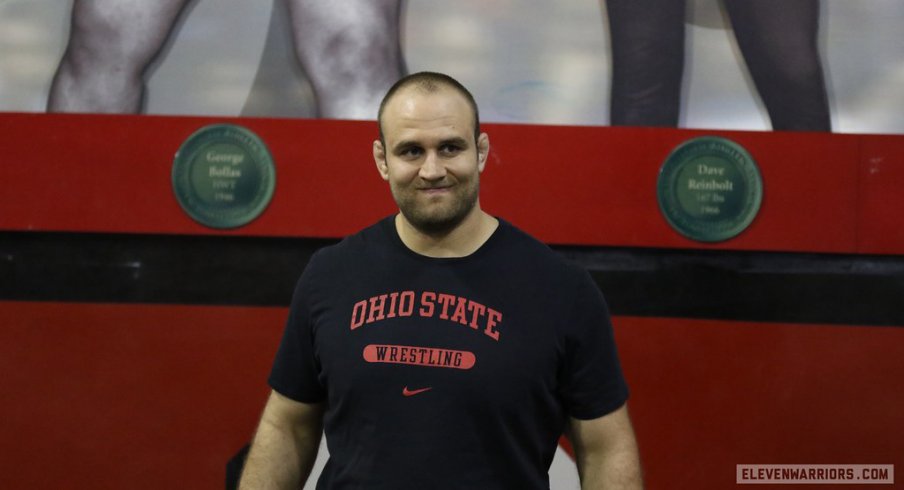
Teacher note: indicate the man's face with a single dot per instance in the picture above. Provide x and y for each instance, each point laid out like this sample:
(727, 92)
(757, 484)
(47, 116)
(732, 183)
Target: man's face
(430, 158)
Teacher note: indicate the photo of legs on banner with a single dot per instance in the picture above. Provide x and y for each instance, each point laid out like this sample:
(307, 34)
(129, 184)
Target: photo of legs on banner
(349, 50)
(777, 38)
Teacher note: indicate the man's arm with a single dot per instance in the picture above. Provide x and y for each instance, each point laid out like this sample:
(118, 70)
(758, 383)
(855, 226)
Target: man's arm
(285, 446)
(606, 452)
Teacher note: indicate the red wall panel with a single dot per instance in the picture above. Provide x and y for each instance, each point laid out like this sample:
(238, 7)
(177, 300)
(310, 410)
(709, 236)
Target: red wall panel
(137, 395)
(130, 396)
(157, 396)
(597, 186)
(567, 185)
(113, 174)
(708, 395)
(881, 200)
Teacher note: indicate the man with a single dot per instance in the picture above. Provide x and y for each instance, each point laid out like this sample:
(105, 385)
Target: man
(349, 50)
(442, 347)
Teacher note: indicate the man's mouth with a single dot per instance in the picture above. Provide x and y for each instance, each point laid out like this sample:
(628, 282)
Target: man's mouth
(437, 188)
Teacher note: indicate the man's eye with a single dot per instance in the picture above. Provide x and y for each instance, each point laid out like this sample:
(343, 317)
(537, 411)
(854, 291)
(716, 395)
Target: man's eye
(410, 152)
(450, 149)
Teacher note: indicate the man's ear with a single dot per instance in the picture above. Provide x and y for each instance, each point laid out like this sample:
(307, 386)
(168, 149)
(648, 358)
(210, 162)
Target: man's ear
(483, 150)
(380, 159)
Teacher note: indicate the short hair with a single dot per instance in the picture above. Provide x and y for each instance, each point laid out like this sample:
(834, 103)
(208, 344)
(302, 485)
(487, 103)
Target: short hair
(429, 82)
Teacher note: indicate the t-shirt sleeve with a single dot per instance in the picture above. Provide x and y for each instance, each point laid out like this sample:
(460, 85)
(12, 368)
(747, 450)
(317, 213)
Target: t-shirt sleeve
(295, 368)
(592, 384)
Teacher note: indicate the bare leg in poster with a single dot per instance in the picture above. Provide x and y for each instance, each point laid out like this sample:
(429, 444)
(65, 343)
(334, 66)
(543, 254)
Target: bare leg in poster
(349, 49)
(111, 44)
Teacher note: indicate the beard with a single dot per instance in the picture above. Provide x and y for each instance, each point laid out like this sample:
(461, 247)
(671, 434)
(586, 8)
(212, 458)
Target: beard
(437, 218)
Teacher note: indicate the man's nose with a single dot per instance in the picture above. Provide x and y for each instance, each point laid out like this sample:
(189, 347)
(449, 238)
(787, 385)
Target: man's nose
(432, 168)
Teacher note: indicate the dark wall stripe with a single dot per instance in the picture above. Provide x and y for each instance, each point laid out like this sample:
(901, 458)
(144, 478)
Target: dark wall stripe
(749, 286)
(253, 271)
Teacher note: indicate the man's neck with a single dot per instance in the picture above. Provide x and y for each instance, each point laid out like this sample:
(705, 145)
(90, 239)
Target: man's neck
(461, 241)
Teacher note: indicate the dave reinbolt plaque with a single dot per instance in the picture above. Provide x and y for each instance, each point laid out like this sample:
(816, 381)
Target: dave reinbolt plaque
(709, 189)
(223, 176)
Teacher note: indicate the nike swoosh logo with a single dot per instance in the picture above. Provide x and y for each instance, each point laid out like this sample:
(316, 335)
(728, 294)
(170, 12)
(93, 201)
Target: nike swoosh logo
(407, 392)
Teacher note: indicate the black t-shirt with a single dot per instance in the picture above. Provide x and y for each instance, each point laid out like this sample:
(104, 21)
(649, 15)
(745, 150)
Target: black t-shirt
(446, 372)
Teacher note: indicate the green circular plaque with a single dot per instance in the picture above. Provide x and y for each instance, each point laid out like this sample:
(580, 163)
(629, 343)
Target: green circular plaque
(223, 176)
(709, 189)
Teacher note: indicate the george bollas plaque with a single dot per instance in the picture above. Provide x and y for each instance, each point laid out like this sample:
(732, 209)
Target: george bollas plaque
(223, 176)
(709, 189)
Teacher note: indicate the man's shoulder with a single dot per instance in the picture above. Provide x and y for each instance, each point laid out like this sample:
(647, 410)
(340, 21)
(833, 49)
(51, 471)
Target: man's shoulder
(370, 239)
(531, 252)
